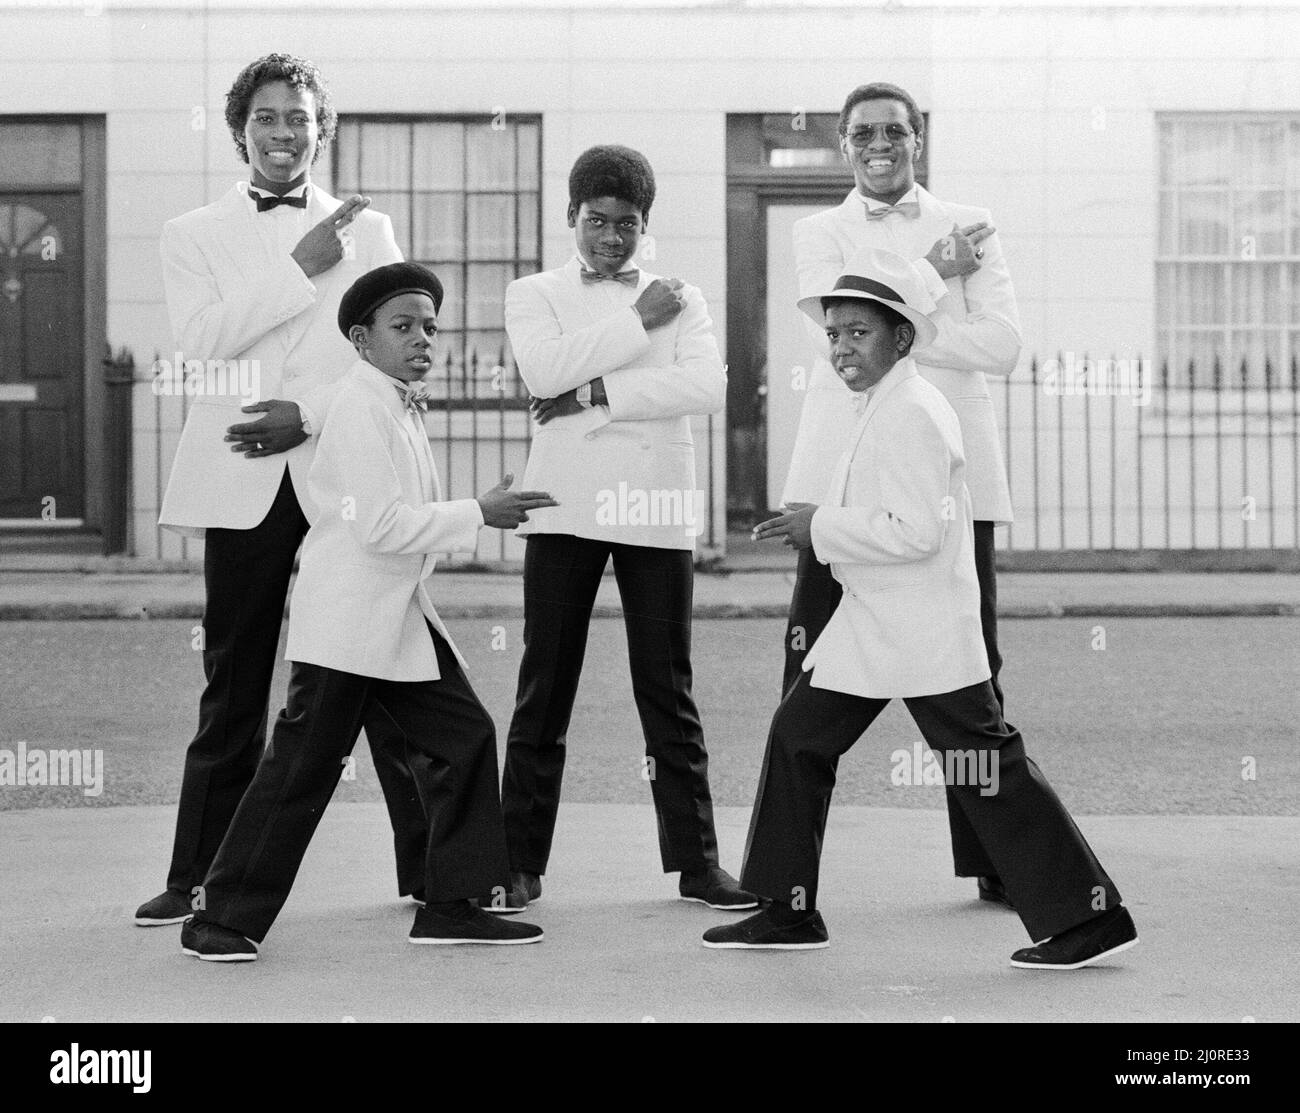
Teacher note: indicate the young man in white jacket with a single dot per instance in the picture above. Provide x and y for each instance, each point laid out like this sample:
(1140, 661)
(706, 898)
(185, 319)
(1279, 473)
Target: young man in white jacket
(617, 361)
(955, 253)
(895, 529)
(364, 636)
(254, 280)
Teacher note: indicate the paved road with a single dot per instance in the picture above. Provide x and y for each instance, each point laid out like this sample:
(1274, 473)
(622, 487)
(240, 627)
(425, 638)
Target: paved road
(1158, 722)
(1211, 897)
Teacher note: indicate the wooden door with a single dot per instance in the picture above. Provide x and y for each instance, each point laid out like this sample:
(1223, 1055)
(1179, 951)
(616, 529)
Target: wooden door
(42, 346)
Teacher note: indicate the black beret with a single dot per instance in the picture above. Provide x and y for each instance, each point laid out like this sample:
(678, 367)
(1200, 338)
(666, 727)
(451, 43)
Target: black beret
(375, 287)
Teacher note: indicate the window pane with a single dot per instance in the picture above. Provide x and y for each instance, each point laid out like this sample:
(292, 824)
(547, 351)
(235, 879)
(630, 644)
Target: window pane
(529, 167)
(1204, 154)
(1258, 162)
(346, 149)
(485, 294)
(438, 227)
(1259, 223)
(452, 315)
(1203, 223)
(1168, 234)
(40, 154)
(385, 157)
(1256, 293)
(439, 156)
(397, 207)
(491, 231)
(489, 157)
(1201, 297)
(529, 237)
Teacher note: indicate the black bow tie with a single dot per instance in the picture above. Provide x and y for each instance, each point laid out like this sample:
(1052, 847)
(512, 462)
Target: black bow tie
(269, 201)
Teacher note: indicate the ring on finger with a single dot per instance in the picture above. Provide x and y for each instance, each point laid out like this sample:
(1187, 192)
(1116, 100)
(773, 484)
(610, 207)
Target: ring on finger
(979, 253)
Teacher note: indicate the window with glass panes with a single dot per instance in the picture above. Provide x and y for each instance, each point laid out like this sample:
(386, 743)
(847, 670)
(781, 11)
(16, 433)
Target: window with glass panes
(463, 194)
(1228, 260)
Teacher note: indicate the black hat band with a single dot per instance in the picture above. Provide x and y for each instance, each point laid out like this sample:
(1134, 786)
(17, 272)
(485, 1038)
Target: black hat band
(866, 286)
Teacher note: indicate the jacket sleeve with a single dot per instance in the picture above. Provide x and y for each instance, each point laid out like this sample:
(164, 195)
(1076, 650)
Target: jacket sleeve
(915, 509)
(987, 339)
(208, 324)
(552, 361)
(314, 404)
(694, 383)
(357, 448)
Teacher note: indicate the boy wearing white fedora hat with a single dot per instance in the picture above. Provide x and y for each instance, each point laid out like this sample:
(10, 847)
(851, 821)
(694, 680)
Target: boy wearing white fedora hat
(895, 529)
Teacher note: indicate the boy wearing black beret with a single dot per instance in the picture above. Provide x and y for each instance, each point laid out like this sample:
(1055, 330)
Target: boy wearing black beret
(364, 634)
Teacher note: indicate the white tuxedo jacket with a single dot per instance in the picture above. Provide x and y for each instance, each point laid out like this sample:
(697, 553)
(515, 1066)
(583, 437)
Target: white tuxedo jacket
(565, 333)
(979, 334)
(231, 295)
(361, 598)
(895, 528)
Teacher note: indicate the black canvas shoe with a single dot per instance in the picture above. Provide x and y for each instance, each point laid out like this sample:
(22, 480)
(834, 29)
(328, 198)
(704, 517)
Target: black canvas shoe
(716, 888)
(470, 925)
(762, 930)
(1083, 945)
(524, 887)
(214, 943)
(169, 907)
(991, 889)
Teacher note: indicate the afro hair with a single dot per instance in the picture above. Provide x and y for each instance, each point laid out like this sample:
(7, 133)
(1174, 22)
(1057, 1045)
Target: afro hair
(612, 171)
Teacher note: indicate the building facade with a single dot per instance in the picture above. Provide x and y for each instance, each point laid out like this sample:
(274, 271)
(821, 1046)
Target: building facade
(1142, 164)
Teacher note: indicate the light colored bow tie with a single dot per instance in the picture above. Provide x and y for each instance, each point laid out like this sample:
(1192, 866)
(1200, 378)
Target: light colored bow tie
(909, 209)
(627, 278)
(415, 398)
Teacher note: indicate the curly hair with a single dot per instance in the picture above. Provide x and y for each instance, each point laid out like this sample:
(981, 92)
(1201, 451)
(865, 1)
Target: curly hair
(297, 72)
(612, 171)
(880, 90)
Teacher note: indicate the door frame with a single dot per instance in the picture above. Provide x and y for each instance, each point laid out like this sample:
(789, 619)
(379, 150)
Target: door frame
(94, 295)
(753, 185)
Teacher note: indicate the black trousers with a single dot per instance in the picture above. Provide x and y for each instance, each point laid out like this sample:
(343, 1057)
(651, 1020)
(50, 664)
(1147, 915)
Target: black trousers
(817, 594)
(452, 747)
(1050, 872)
(561, 576)
(246, 573)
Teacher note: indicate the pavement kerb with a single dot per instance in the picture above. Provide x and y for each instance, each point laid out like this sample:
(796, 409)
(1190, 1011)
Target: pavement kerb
(56, 611)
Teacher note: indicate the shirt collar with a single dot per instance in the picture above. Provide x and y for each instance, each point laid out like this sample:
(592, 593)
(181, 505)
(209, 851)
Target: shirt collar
(871, 203)
(579, 262)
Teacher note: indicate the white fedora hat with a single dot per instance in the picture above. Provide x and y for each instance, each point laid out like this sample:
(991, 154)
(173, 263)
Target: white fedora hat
(875, 275)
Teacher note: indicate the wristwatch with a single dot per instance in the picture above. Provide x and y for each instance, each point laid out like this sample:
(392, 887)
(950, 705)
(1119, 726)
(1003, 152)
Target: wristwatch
(583, 394)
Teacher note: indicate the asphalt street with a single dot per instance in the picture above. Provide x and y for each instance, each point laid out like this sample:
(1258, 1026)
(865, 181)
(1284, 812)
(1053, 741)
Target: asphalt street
(1164, 719)
(1171, 739)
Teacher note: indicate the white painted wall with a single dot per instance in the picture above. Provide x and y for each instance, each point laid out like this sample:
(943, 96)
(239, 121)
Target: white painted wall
(1044, 115)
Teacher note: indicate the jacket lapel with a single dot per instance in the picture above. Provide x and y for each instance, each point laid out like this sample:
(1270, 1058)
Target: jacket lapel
(901, 371)
(243, 245)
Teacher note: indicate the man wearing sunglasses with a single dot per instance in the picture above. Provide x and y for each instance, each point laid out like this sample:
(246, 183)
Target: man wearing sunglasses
(956, 255)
